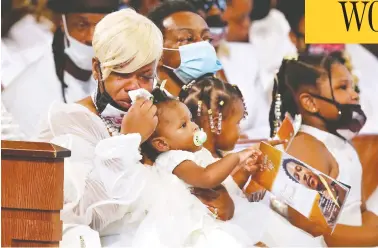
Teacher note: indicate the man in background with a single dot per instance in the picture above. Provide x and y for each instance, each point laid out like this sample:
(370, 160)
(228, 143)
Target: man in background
(17, 19)
(236, 14)
(183, 27)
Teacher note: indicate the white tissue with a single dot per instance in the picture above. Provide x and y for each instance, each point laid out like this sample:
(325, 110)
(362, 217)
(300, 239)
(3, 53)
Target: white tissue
(134, 94)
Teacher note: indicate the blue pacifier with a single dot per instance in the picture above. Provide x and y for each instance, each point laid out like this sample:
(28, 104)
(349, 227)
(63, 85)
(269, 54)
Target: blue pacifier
(199, 137)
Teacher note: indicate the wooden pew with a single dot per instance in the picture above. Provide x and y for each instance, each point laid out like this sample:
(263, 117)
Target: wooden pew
(31, 193)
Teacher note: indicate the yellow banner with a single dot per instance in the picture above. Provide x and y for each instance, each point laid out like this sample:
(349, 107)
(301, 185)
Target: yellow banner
(341, 21)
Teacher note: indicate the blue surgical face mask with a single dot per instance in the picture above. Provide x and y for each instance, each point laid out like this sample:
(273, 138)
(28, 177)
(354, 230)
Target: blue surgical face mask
(197, 59)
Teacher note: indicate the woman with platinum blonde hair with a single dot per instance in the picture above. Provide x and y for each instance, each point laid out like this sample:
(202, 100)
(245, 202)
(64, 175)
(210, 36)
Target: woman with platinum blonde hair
(104, 180)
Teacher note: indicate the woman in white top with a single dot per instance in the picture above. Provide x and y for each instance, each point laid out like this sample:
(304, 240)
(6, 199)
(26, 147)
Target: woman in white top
(103, 177)
(321, 90)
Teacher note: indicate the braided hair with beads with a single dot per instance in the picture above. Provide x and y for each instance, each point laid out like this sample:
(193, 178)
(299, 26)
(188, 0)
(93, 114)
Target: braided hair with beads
(210, 96)
(294, 73)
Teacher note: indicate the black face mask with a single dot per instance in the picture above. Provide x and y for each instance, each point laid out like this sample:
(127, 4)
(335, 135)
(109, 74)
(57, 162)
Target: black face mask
(103, 99)
(350, 121)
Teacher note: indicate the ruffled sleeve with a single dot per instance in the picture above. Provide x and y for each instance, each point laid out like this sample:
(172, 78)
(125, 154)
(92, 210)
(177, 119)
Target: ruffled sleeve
(104, 180)
(168, 161)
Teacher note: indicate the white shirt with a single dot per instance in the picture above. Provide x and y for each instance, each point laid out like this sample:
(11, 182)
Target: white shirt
(242, 69)
(270, 37)
(350, 172)
(78, 89)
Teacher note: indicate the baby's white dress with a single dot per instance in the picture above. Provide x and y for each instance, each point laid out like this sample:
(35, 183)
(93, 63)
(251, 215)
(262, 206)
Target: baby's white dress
(188, 220)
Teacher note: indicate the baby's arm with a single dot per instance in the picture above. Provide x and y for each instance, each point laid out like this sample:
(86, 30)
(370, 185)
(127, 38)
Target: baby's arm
(212, 175)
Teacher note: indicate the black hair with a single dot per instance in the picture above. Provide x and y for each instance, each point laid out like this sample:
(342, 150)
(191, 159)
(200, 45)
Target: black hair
(290, 160)
(342, 58)
(211, 92)
(260, 9)
(159, 98)
(306, 70)
(294, 11)
(59, 58)
(135, 4)
(11, 15)
(167, 8)
(339, 56)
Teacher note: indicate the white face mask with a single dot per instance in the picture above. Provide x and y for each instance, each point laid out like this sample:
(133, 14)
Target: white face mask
(78, 52)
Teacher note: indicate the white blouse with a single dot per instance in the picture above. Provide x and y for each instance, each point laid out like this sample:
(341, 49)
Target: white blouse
(350, 172)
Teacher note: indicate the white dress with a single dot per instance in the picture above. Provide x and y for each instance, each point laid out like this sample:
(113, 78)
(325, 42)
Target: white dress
(350, 172)
(105, 185)
(190, 214)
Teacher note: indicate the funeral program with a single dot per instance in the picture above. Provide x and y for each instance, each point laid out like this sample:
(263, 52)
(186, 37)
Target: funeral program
(310, 192)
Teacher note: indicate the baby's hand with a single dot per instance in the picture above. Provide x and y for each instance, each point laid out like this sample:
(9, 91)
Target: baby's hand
(251, 165)
(257, 162)
(248, 153)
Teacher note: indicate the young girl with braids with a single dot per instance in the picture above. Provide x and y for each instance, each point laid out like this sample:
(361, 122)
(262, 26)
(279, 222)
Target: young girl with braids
(320, 89)
(218, 108)
(176, 150)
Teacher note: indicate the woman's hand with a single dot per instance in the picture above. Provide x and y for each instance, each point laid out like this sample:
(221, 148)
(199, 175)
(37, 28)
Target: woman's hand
(141, 118)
